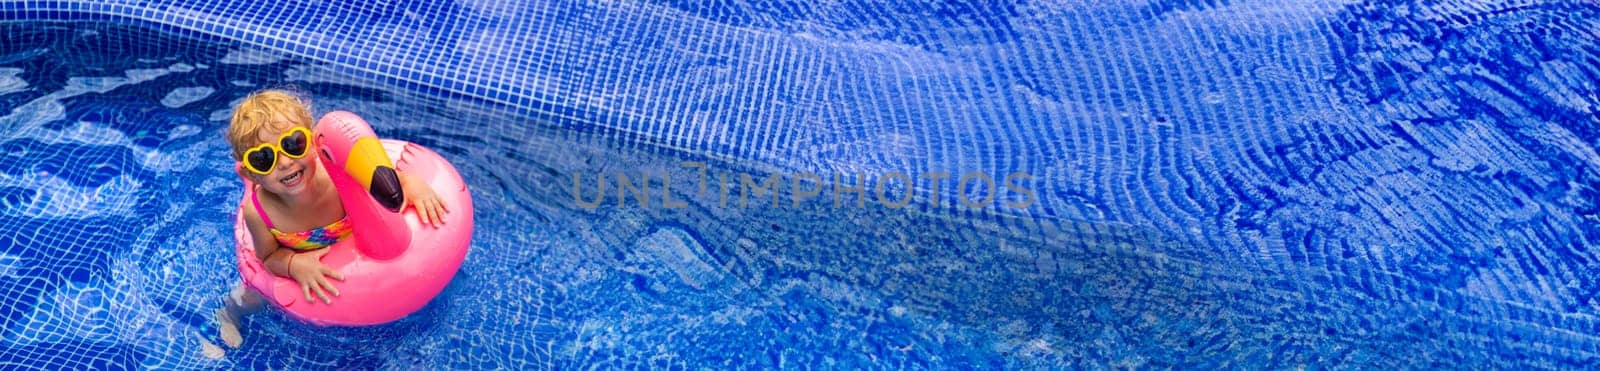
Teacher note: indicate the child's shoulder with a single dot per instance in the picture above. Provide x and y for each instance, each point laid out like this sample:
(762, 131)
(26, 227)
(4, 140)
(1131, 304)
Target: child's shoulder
(247, 208)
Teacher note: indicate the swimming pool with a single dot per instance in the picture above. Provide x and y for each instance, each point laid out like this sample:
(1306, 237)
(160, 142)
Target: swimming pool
(1213, 184)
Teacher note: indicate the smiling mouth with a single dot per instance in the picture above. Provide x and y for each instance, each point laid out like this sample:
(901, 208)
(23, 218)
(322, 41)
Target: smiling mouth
(292, 177)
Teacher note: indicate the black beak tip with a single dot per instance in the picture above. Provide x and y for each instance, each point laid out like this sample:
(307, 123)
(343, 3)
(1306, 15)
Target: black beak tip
(386, 188)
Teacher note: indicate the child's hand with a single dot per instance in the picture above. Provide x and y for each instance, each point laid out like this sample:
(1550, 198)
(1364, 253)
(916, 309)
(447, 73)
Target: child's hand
(307, 269)
(430, 208)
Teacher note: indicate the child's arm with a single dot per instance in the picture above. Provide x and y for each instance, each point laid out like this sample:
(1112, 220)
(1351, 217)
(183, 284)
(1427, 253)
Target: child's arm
(311, 274)
(275, 259)
(430, 208)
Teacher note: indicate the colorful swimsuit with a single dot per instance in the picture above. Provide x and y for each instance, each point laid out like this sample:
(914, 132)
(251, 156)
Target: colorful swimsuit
(313, 239)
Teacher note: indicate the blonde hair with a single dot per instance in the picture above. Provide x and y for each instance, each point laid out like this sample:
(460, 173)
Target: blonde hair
(260, 109)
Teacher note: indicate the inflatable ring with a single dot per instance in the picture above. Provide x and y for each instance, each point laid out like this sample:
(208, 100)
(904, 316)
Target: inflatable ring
(393, 265)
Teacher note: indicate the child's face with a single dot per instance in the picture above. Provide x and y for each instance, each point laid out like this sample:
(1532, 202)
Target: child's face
(290, 176)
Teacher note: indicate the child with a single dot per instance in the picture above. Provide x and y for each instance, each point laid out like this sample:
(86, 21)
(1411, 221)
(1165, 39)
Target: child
(295, 212)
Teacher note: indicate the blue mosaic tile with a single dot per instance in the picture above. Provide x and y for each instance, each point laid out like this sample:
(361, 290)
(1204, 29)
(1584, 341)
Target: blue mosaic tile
(1373, 184)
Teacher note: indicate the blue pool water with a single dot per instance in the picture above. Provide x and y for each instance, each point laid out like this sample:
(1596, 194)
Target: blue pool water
(1383, 184)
